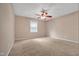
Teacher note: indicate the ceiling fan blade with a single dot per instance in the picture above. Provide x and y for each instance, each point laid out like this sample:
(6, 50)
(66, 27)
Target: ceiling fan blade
(38, 14)
(49, 16)
(38, 17)
(43, 10)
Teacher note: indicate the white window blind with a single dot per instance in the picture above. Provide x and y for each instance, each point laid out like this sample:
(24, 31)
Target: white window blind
(33, 26)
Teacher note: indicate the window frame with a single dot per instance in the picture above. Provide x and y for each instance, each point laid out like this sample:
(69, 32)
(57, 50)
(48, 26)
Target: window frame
(32, 25)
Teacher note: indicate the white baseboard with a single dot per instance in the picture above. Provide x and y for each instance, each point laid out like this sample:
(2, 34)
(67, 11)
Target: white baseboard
(67, 40)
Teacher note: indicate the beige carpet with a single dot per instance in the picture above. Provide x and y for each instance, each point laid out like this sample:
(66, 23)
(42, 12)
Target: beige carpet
(44, 47)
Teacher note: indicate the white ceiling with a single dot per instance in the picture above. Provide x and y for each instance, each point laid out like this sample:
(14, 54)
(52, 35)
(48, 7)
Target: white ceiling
(54, 9)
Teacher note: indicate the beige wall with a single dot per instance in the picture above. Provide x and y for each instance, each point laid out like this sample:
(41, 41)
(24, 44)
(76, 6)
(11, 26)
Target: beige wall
(65, 27)
(23, 28)
(6, 28)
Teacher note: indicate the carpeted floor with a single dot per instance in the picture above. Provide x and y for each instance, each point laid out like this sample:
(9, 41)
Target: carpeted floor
(44, 47)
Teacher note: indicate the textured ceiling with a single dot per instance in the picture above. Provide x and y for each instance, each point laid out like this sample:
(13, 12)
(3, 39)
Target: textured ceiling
(54, 9)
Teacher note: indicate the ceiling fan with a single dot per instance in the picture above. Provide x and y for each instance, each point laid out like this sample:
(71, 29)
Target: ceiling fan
(44, 15)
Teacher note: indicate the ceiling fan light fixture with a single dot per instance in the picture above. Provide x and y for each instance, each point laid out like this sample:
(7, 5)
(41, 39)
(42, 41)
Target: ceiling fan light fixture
(44, 15)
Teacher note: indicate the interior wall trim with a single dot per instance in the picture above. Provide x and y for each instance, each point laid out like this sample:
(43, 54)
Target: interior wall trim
(67, 40)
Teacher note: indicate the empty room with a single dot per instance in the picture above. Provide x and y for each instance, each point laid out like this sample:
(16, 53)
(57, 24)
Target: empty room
(39, 29)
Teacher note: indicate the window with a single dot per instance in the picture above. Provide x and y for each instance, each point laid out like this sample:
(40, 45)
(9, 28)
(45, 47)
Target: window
(33, 26)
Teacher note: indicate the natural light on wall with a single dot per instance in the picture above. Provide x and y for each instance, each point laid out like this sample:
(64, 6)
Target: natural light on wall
(33, 26)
